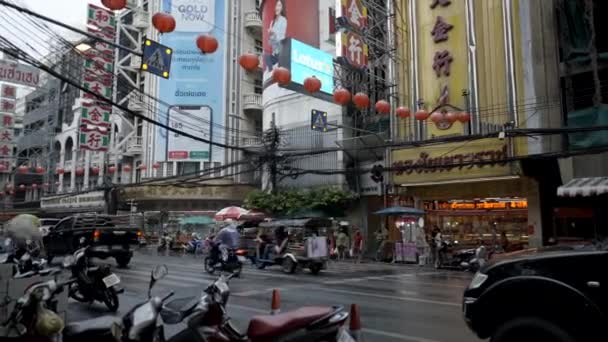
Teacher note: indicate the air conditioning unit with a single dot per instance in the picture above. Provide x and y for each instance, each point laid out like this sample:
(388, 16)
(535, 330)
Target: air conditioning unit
(135, 104)
(135, 62)
(141, 19)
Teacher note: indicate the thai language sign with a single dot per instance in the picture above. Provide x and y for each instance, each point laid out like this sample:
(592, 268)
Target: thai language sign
(13, 72)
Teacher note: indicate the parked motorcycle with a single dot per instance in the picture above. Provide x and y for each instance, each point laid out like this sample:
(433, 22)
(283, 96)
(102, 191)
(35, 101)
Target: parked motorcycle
(33, 319)
(209, 321)
(25, 264)
(93, 283)
(233, 264)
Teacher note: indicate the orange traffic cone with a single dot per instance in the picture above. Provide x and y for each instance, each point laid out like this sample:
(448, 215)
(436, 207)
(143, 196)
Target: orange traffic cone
(275, 306)
(355, 323)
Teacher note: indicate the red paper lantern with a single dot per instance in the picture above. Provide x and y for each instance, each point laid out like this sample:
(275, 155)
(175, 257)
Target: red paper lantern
(156, 166)
(95, 170)
(23, 169)
(34, 186)
(421, 115)
(163, 22)
(45, 185)
(282, 76)
(342, 96)
(383, 107)
(2, 167)
(361, 100)
(79, 171)
(464, 117)
(436, 117)
(249, 61)
(60, 171)
(206, 43)
(12, 193)
(22, 187)
(40, 170)
(126, 168)
(114, 5)
(143, 167)
(451, 117)
(403, 112)
(312, 84)
(111, 169)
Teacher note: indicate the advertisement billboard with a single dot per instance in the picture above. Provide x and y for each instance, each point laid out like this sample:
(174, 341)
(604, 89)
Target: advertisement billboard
(284, 19)
(308, 61)
(195, 89)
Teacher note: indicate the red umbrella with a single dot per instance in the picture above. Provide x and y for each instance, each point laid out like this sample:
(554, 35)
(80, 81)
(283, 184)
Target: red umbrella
(232, 213)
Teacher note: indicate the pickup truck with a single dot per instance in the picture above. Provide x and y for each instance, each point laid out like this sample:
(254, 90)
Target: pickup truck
(544, 295)
(108, 236)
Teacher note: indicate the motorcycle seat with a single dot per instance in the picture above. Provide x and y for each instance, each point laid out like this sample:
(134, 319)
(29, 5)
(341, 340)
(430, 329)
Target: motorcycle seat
(92, 327)
(268, 326)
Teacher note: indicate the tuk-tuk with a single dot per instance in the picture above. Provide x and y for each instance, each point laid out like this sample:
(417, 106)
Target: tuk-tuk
(306, 248)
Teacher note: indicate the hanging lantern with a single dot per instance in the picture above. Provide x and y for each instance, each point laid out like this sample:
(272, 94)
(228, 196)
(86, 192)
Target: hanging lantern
(111, 169)
(12, 193)
(40, 170)
(23, 169)
(79, 171)
(22, 187)
(249, 61)
(126, 168)
(57, 183)
(464, 117)
(163, 22)
(156, 166)
(281, 75)
(383, 107)
(114, 5)
(207, 44)
(34, 186)
(60, 171)
(421, 115)
(436, 117)
(45, 185)
(403, 112)
(312, 84)
(342, 96)
(2, 167)
(451, 117)
(143, 167)
(361, 100)
(95, 170)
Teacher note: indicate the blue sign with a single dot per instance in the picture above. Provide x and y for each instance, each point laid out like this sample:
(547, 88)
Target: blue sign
(318, 120)
(308, 61)
(195, 92)
(156, 58)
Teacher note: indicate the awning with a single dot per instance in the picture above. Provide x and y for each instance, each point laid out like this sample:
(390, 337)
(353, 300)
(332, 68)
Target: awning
(585, 187)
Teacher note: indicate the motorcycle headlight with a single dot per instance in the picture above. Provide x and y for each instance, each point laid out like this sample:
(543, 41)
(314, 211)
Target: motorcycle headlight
(478, 280)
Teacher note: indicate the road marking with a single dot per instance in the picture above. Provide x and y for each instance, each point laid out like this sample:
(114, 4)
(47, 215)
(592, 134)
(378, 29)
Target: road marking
(376, 295)
(165, 283)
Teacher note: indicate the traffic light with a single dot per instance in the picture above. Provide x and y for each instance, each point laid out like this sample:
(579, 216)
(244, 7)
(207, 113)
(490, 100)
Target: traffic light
(377, 173)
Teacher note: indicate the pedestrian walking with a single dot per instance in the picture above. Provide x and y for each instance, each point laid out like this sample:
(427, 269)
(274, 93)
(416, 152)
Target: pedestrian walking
(381, 236)
(342, 242)
(357, 246)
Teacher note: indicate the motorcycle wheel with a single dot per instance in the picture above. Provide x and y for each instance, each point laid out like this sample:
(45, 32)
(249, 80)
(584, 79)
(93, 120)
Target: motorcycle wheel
(237, 270)
(289, 266)
(209, 267)
(110, 299)
(315, 268)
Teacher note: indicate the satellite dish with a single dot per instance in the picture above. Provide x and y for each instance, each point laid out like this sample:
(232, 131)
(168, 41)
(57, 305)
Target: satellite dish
(421, 222)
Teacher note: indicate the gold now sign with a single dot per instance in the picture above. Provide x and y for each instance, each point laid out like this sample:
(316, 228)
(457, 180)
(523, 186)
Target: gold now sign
(454, 161)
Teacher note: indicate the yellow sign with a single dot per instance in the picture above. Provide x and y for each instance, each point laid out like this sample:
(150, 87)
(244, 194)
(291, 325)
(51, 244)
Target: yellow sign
(454, 161)
(483, 205)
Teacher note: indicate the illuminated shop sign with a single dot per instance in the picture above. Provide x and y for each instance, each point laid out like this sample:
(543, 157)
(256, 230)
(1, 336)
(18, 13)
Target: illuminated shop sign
(482, 205)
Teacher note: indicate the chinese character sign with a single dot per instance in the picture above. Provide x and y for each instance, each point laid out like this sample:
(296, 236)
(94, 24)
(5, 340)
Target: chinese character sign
(8, 92)
(354, 49)
(355, 13)
(95, 114)
(93, 139)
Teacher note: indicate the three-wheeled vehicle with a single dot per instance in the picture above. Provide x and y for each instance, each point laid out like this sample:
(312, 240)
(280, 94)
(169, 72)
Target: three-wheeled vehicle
(306, 247)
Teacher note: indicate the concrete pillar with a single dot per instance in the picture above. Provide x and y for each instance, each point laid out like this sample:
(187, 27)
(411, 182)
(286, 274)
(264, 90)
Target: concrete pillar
(61, 165)
(73, 171)
(102, 169)
(535, 236)
(87, 169)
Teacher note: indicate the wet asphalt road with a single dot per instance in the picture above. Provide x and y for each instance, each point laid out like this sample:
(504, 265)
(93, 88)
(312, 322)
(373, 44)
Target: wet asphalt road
(398, 302)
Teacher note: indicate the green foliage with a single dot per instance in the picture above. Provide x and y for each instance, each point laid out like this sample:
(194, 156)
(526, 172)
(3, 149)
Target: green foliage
(328, 200)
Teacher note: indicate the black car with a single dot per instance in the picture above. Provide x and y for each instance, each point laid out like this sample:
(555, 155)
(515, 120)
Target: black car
(549, 296)
(108, 236)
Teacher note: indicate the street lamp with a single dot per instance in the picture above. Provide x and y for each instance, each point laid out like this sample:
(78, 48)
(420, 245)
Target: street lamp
(83, 47)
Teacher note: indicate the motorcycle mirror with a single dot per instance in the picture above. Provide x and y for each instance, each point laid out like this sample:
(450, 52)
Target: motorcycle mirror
(159, 272)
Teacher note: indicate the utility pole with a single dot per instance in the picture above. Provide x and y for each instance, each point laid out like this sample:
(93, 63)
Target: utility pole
(271, 143)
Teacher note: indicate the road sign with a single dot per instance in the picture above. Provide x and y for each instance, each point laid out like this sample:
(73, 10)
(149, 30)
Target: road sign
(156, 58)
(318, 121)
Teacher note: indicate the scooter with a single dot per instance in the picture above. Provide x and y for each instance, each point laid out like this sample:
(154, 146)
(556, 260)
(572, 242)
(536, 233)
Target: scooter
(194, 246)
(33, 319)
(209, 321)
(479, 259)
(233, 264)
(93, 283)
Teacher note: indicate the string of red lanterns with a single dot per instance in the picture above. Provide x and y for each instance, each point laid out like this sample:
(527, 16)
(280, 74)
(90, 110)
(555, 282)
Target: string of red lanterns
(114, 5)
(312, 84)
(207, 43)
(383, 107)
(163, 22)
(282, 76)
(361, 100)
(249, 61)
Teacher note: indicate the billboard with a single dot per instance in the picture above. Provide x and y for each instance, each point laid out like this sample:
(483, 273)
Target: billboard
(195, 89)
(284, 19)
(306, 61)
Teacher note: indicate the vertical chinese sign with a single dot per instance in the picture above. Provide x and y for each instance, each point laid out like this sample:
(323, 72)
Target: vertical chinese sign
(94, 133)
(8, 96)
(442, 59)
(352, 15)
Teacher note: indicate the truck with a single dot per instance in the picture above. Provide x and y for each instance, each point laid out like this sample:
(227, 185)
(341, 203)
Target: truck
(547, 294)
(108, 236)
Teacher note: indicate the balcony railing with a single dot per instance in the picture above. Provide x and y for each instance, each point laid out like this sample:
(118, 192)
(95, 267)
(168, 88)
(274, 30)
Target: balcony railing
(134, 145)
(252, 102)
(253, 21)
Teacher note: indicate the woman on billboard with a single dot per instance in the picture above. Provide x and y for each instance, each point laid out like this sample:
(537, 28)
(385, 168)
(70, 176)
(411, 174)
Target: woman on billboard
(276, 34)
